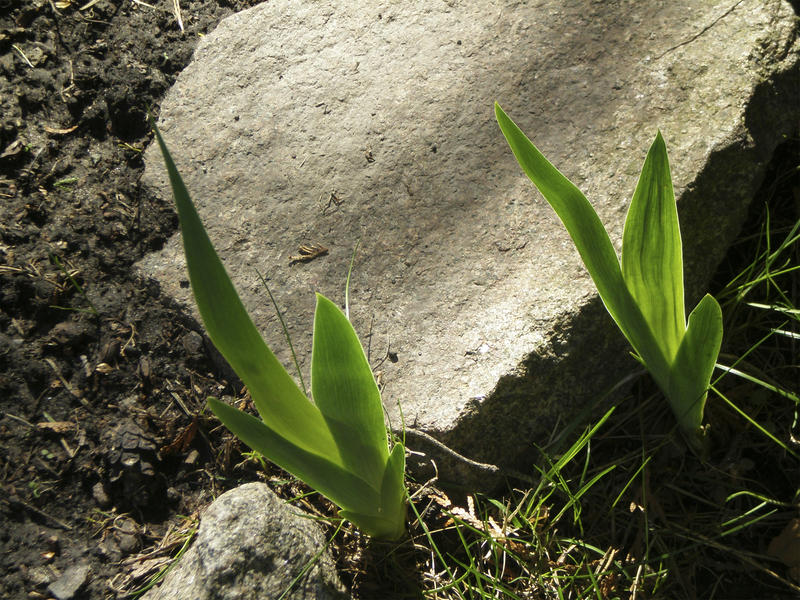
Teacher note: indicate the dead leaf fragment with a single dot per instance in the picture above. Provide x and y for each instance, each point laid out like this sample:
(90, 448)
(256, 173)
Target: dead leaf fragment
(57, 426)
(308, 252)
(54, 131)
(786, 548)
(13, 149)
(183, 440)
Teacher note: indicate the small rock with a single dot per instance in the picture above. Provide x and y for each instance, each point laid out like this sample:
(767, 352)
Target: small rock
(109, 549)
(38, 576)
(69, 333)
(131, 459)
(66, 586)
(36, 56)
(192, 457)
(193, 342)
(129, 403)
(145, 369)
(126, 531)
(173, 495)
(100, 495)
(251, 546)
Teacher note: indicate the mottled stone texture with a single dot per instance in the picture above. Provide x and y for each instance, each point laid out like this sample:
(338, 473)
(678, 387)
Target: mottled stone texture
(252, 546)
(332, 122)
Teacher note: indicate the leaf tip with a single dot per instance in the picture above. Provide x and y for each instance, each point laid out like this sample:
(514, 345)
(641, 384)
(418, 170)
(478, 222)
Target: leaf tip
(499, 113)
(659, 141)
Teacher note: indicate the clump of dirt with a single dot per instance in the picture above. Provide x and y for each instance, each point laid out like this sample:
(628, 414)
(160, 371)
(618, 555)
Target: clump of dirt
(102, 380)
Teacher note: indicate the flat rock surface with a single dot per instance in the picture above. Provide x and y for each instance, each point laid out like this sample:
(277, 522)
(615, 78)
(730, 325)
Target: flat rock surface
(331, 123)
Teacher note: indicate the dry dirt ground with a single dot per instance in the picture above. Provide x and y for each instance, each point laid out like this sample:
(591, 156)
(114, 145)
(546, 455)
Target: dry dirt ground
(101, 378)
(105, 453)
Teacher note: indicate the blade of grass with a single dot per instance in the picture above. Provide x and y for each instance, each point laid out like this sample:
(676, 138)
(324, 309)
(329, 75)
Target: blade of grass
(285, 332)
(75, 284)
(756, 424)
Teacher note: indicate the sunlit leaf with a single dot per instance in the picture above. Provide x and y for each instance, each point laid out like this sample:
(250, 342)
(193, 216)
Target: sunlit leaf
(694, 363)
(591, 241)
(339, 445)
(645, 295)
(277, 397)
(652, 262)
(345, 391)
(389, 521)
(326, 476)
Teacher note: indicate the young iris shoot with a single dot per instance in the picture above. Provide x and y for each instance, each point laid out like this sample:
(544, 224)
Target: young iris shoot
(643, 291)
(337, 444)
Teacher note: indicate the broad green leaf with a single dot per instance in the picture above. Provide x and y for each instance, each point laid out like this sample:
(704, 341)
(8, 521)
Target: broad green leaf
(592, 242)
(279, 400)
(345, 391)
(377, 526)
(652, 262)
(393, 489)
(337, 446)
(694, 364)
(645, 295)
(330, 479)
(389, 521)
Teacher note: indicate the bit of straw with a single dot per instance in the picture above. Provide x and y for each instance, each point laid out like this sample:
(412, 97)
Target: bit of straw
(176, 5)
(22, 54)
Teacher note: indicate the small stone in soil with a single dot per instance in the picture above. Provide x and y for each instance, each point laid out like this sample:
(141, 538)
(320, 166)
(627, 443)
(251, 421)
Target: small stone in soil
(66, 586)
(100, 495)
(193, 342)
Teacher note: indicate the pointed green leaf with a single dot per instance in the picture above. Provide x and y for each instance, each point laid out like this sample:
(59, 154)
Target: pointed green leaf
(342, 453)
(330, 479)
(345, 391)
(572, 207)
(592, 242)
(390, 520)
(393, 490)
(278, 399)
(694, 364)
(652, 261)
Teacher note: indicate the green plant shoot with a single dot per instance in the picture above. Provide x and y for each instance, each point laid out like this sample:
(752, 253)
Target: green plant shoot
(337, 444)
(643, 292)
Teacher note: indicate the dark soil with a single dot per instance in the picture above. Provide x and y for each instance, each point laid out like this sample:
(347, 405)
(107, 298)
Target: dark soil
(105, 452)
(101, 378)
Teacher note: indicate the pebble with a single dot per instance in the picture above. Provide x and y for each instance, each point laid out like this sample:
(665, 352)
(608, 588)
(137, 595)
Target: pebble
(100, 495)
(193, 342)
(67, 586)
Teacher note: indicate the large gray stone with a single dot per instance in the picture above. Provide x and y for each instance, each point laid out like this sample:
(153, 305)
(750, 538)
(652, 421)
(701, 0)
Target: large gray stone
(252, 546)
(339, 121)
